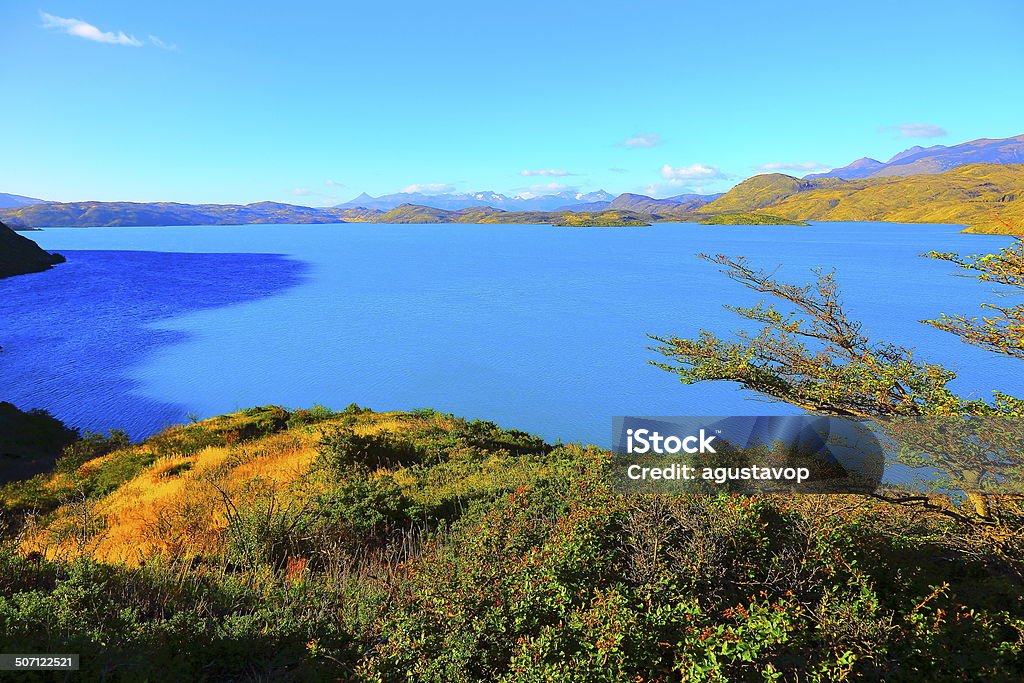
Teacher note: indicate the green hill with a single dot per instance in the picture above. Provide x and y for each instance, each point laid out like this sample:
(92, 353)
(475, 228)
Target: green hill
(764, 190)
(988, 198)
(748, 218)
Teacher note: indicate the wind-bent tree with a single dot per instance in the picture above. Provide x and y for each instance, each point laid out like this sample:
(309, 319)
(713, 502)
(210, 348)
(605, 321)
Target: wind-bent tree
(812, 355)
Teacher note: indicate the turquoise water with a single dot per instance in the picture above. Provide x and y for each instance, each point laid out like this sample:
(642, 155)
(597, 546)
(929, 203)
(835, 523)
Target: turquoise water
(533, 327)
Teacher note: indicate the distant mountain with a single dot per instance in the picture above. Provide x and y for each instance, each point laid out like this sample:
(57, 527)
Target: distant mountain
(686, 198)
(9, 200)
(19, 255)
(861, 168)
(454, 201)
(986, 197)
(935, 159)
(679, 204)
(594, 208)
(92, 214)
(410, 213)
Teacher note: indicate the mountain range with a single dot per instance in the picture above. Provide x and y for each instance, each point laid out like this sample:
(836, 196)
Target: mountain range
(596, 208)
(454, 201)
(935, 159)
(978, 183)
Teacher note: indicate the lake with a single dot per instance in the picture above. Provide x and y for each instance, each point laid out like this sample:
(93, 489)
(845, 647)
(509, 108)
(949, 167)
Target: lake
(533, 327)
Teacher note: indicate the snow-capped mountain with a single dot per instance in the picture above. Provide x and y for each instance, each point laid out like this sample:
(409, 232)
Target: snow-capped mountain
(463, 200)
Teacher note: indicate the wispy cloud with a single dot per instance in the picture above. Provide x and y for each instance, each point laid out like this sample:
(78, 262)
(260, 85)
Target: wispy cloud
(549, 172)
(162, 44)
(544, 189)
(616, 169)
(302, 192)
(673, 188)
(692, 172)
(917, 130)
(550, 187)
(695, 178)
(83, 29)
(641, 140)
(334, 183)
(799, 166)
(429, 188)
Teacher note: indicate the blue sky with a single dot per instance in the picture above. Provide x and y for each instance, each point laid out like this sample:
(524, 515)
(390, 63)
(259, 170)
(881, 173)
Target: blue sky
(314, 102)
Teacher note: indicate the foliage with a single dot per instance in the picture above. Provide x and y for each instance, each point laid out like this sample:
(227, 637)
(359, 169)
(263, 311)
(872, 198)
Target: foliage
(1004, 331)
(91, 445)
(420, 546)
(748, 218)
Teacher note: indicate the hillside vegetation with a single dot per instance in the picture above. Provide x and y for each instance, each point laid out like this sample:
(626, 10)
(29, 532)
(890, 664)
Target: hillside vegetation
(749, 218)
(988, 198)
(417, 546)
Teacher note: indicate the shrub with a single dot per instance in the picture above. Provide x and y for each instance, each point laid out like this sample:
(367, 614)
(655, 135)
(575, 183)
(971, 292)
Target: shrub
(342, 451)
(91, 445)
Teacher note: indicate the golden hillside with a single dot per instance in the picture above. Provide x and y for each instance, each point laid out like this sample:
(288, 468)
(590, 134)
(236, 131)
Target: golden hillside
(988, 198)
(181, 494)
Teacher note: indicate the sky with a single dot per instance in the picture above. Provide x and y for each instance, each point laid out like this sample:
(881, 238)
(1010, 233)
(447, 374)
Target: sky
(315, 102)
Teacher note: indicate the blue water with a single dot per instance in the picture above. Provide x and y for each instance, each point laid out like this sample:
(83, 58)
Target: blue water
(533, 327)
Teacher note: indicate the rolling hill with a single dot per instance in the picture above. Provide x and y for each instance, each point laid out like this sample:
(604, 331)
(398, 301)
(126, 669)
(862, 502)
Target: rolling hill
(112, 214)
(988, 198)
(411, 213)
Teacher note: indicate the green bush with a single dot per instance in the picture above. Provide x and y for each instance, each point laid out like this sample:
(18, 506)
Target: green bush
(343, 451)
(91, 445)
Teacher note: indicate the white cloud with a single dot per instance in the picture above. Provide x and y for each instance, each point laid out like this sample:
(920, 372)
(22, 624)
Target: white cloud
(163, 45)
(805, 166)
(917, 130)
(641, 140)
(551, 172)
(334, 183)
(616, 169)
(533, 191)
(429, 188)
(549, 187)
(81, 29)
(302, 192)
(673, 188)
(693, 172)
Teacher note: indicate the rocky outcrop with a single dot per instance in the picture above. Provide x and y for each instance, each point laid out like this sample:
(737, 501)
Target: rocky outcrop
(20, 255)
